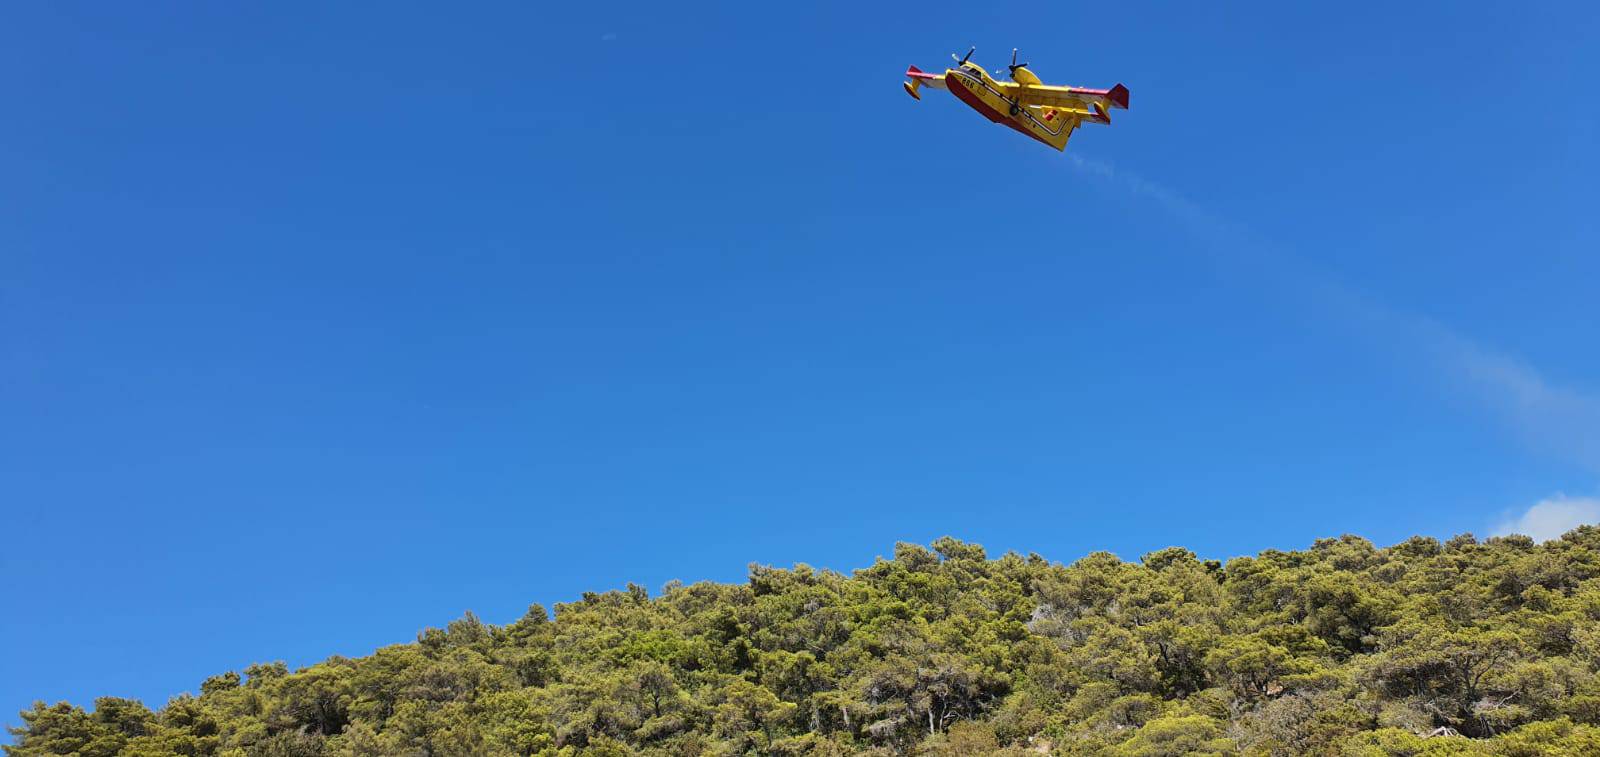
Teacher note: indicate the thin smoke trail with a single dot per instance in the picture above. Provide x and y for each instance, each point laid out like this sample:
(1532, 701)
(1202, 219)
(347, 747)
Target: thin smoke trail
(1560, 420)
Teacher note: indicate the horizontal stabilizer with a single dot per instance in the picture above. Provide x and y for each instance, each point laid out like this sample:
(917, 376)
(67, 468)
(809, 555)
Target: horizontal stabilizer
(917, 78)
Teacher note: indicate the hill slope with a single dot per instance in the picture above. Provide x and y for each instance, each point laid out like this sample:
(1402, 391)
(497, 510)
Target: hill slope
(1339, 649)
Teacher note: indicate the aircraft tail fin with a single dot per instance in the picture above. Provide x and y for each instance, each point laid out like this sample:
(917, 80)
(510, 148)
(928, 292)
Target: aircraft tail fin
(916, 79)
(1118, 96)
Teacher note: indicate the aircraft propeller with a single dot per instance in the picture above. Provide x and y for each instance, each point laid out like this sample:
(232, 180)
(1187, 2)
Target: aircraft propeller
(1014, 65)
(963, 59)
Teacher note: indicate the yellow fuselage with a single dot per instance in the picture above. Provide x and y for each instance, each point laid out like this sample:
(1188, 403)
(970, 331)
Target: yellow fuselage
(976, 88)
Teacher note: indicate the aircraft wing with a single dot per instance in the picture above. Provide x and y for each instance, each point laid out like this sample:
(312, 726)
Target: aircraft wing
(1070, 97)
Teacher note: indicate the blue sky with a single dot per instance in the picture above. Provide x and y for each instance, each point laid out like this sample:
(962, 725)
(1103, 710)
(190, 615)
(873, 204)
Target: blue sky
(321, 324)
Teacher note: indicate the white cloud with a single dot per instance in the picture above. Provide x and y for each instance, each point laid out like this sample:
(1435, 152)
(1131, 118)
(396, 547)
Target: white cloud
(1558, 418)
(1551, 518)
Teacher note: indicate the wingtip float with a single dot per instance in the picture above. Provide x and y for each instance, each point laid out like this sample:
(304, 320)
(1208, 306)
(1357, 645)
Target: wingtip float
(1044, 112)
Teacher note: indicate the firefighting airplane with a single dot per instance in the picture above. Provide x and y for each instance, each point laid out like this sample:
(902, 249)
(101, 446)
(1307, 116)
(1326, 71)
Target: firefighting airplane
(1046, 113)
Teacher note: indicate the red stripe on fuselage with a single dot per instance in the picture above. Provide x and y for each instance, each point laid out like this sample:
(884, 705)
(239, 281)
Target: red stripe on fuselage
(960, 90)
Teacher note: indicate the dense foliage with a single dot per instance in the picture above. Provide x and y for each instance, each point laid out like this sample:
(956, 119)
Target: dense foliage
(1458, 648)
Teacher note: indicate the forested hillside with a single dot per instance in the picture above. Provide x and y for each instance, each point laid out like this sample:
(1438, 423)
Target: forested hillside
(1455, 648)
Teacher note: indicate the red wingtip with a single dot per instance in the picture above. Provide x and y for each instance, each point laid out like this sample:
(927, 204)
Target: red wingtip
(913, 70)
(1119, 95)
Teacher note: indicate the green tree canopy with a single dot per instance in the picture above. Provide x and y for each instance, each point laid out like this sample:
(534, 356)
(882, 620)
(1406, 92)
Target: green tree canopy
(1423, 648)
